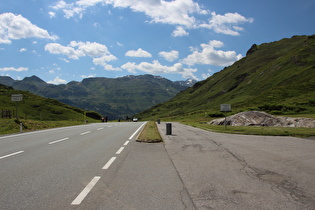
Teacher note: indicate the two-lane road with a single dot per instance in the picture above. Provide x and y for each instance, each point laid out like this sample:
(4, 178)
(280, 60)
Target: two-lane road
(93, 166)
(57, 168)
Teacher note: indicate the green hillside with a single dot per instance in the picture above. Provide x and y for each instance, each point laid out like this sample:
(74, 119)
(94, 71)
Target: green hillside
(34, 107)
(277, 77)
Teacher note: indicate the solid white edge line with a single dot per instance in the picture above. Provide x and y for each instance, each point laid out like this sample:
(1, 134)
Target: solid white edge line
(9, 155)
(53, 142)
(136, 131)
(85, 191)
(85, 133)
(120, 150)
(107, 165)
(126, 143)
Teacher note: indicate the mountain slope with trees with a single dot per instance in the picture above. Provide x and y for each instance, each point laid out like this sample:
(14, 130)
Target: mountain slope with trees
(115, 97)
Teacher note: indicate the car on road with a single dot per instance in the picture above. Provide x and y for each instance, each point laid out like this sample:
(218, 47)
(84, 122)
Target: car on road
(135, 119)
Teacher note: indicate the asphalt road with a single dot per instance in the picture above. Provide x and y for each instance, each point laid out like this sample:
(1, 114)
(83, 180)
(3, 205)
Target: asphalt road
(225, 171)
(94, 166)
(100, 166)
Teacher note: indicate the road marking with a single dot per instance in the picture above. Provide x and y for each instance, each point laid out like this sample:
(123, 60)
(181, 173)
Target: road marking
(9, 155)
(85, 133)
(53, 142)
(100, 129)
(126, 143)
(120, 150)
(107, 165)
(85, 191)
(136, 131)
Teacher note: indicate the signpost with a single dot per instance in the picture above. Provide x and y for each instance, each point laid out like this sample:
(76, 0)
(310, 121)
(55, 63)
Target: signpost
(17, 98)
(225, 108)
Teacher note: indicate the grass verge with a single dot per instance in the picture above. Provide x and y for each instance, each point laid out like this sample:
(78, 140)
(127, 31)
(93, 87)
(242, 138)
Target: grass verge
(256, 130)
(8, 126)
(150, 134)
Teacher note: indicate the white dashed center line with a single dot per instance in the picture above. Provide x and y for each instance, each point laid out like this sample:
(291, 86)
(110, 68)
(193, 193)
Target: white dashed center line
(107, 165)
(85, 133)
(12, 154)
(53, 142)
(85, 191)
(120, 150)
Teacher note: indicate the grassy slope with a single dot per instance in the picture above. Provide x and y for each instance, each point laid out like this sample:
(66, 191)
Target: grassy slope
(278, 77)
(37, 112)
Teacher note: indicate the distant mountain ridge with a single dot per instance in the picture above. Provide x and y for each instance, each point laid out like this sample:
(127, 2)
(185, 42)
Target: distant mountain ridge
(114, 97)
(277, 77)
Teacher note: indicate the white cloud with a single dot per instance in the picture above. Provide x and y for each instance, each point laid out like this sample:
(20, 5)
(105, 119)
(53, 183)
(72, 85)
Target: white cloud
(227, 23)
(75, 50)
(169, 56)
(57, 81)
(206, 75)
(176, 12)
(55, 48)
(52, 14)
(88, 76)
(138, 53)
(156, 68)
(102, 61)
(92, 49)
(209, 55)
(23, 50)
(179, 31)
(14, 69)
(78, 49)
(15, 27)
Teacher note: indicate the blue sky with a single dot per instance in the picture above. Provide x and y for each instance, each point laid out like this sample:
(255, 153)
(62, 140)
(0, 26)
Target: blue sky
(69, 40)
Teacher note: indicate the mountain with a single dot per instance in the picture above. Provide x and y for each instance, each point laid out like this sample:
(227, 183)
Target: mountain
(277, 77)
(114, 97)
(187, 83)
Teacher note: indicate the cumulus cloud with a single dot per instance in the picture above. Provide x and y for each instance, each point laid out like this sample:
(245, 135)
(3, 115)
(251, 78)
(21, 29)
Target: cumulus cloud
(75, 50)
(56, 48)
(13, 27)
(102, 61)
(179, 31)
(23, 50)
(78, 49)
(180, 13)
(209, 55)
(176, 12)
(138, 53)
(169, 56)
(227, 23)
(57, 81)
(156, 68)
(14, 69)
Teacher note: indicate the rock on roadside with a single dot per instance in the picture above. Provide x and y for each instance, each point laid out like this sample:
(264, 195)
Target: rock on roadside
(257, 118)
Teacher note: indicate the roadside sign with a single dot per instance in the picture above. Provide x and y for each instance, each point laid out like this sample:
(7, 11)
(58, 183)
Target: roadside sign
(16, 97)
(225, 107)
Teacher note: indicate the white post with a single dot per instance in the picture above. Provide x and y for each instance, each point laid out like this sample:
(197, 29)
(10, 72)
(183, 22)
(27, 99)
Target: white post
(21, 128)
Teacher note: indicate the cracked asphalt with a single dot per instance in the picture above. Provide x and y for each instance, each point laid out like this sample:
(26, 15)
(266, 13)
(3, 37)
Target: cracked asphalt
(226, 171)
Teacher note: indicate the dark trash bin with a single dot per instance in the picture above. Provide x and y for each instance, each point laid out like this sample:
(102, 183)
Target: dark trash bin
(168, 128)
(158, 121)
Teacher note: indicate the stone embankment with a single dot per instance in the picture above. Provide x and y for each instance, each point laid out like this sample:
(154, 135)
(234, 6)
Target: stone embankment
(257, 118)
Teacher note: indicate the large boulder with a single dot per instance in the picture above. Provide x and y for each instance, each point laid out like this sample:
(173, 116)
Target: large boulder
(256, 118)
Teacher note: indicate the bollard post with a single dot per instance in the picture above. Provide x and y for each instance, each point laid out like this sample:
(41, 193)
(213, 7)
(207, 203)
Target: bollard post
(168, 128)
(158, 121)
(21, 128)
